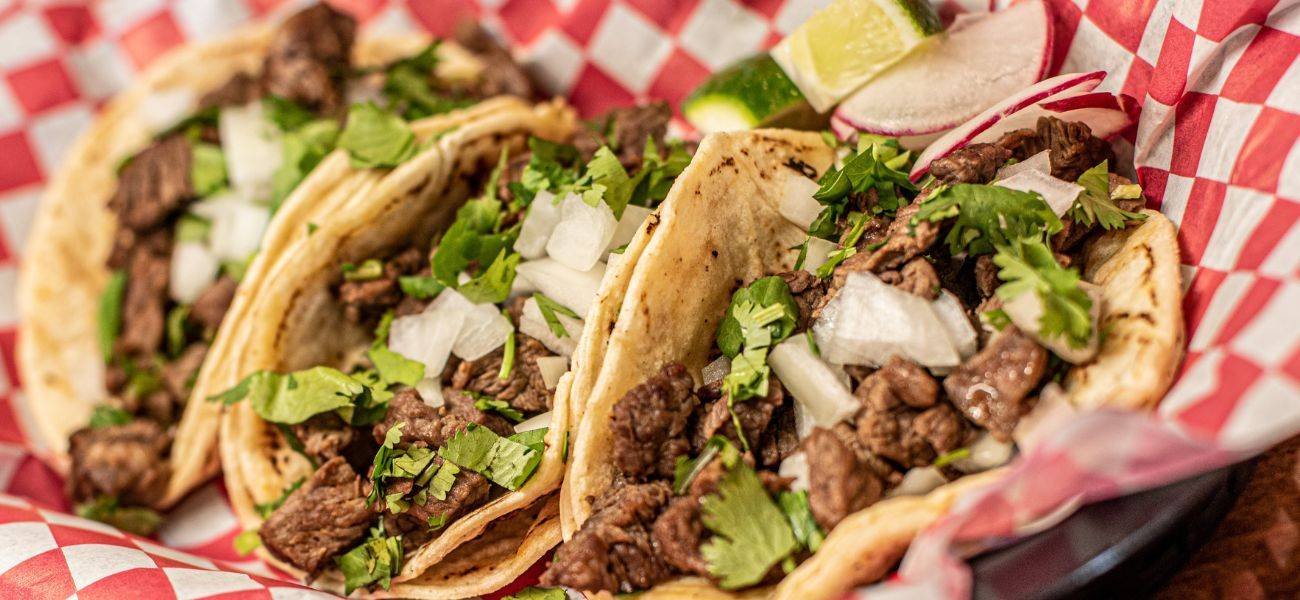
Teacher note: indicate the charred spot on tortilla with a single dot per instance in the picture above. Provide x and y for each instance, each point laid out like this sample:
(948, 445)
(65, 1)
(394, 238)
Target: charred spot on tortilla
(801, 167)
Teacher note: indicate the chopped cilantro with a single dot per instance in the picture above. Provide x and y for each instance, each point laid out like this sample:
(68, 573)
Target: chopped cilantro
(799, 514)
(409, 89)
(606, 173)
(374, 137)
(948, 458)
(752, 534)
(133, 519)
(420, 287)
(295, 397)
(508, 352)
(246, 542)
(369, 269)
(533, 438)
(110, 312)
(301, 150)
(487, 403)
(988, 215)
(176, 330)
(286, 114)
(503, 461)
(236, 269)
(207, 169)
(437, 522)
(803, 253)
(107, 416)
(879, 164)
(687, 469)
(375, 561)
(763, 292)
(848, 248)
(312, 227)
(997, 318)
(192, 228)
(812, 342)
(549, 308)
(539, 593)
(1095, 205)
(493, 285)
(266, 508)
(1029, 266)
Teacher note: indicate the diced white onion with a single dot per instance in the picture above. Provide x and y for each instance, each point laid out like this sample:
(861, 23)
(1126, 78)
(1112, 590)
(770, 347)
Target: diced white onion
(956, 323)
(537, 422)
(163, 109)
(1040, 162)
(552, 369)
(797, 204)
(429, 336)
(628, 224)
(795, 466)
(1026, 311)
(815, 385)
(716, 370)
(818, 251)
(543, 214)
(485, 330)
(251, 144)
(521, 286)
(1058, 194)
(869, 322)
(918, 481)
(573, 289)
(985, 453)
(237, 225)
(533, 324)
(430, 390)
(193, 269)
(1052, 411)
(582, 234)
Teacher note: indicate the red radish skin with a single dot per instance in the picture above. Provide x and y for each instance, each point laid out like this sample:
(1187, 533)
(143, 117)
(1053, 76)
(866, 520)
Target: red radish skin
(974, 130)
(954, 77)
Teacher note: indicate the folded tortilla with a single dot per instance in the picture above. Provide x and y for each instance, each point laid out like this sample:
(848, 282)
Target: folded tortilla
(721, 226)
(293, 321)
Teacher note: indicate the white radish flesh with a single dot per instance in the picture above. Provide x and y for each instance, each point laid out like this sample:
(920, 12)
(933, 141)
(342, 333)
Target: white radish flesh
(814, 384)
(628, 224)
(582, 234)
(552, 369)
(573, 289)
(543, 215)
(1058, 194)
(869, 322)
(955, 76)
(797, 204)
(193, 269)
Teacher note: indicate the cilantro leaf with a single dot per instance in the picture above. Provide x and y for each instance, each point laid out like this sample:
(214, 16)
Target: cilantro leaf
(408, 85)
(848, 248)
(295, 397)
(301, 150)
(266, 508)
(107, 416)
(133, 519)
(473, 238)
(420, 287)
(508, 352)
(375, 561)
(763, 292)
(493, 285)
(752, 534)
(441, 481)
(110, 312)
(393, 368)
(549, 308)
(948, 458)
(988, 215)
(374, 137)
(487, 403)
(207, 169)
(286, 114)
(1028, 266)
(369, 269)
(802, 524)
(246, 542)
(176, 330)
(605, 170)
(1094, 205)
(687, 469)
(533, 438)
(192, 228)
(655, 178)
(879, 164)
(538, 593)
(503, 461)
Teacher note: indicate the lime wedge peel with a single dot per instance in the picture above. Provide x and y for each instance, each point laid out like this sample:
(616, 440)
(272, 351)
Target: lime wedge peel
(846, 43)
(750, 93)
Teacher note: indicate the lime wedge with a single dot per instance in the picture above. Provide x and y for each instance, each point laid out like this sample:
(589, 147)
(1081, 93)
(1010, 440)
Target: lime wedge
(751, 93)
(843, 45)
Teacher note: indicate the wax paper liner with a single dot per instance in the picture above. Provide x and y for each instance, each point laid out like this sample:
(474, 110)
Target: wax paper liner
(1215, 150)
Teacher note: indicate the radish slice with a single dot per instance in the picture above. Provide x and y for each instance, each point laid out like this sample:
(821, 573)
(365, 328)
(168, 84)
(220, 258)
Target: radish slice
(552, 369)
(869, 322)
(795, 467)
(485, 330)
(797, 204)
(953, 78)
(582, 234)
(997, 119)
(716, 370)
(918, 481)
(543, 214)
(814, 384)
(534, 325)
(915, 143)
(1058, 194)
(193, 269)
(818, 251)
(573, 289)
(1041, 162)
(541, 421)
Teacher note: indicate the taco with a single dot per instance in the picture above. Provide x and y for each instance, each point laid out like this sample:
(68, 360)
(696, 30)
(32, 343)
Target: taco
(397, 416)
(154, 218)
(816, 357)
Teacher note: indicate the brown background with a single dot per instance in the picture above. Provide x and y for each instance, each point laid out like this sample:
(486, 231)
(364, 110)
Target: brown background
(1255, 551)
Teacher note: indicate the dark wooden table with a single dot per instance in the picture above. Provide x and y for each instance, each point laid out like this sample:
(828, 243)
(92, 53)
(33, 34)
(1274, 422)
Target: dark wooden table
(1255, 551)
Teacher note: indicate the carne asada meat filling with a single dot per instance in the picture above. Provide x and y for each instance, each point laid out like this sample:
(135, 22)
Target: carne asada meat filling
(655, 524)
(161, 342)
(423, 447)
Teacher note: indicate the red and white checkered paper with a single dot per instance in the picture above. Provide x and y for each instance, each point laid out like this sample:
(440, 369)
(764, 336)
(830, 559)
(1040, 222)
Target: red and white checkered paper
(1215, 149)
